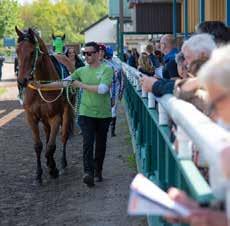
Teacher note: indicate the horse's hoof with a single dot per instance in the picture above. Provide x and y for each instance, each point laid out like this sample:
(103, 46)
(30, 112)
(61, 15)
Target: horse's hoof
(54, 173)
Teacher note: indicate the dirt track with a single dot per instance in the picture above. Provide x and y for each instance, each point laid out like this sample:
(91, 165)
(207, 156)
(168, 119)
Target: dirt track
(66, 200)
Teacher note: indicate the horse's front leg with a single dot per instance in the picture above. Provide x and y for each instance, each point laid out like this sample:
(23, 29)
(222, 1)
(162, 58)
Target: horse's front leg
(51, 146)
(37, 145)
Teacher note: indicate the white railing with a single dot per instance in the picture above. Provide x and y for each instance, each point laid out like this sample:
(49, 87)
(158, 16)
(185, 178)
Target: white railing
(208, 137)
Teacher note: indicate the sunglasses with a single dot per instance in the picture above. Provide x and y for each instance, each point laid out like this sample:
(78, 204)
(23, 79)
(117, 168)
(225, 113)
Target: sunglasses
(88, 53)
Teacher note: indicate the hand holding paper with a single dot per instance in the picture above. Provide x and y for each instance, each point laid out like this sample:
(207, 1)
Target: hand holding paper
(146, 198)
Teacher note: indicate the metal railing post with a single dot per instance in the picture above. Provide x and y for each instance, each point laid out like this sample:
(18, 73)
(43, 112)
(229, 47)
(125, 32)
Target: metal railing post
(202, 11)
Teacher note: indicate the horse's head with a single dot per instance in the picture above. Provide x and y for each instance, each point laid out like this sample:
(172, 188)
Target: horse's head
(29, 49)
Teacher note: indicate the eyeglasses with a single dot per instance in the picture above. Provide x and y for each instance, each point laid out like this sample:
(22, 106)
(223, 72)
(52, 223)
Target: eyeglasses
(212, 106)
(88, 53)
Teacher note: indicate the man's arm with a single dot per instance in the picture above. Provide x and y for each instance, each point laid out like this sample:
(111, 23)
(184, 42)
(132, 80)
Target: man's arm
(100, 89)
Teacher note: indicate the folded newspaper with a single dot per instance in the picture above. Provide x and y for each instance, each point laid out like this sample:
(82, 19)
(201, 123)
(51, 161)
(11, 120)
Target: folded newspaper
(146, 198)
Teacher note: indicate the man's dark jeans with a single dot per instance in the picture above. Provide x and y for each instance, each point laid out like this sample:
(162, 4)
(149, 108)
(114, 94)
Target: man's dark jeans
(94, 130)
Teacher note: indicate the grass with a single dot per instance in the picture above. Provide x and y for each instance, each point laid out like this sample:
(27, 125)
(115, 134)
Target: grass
(2, 90)
(132, 161)
(128, 140)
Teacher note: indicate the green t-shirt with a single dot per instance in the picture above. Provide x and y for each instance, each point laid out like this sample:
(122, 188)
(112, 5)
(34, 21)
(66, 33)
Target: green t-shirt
(94, 104)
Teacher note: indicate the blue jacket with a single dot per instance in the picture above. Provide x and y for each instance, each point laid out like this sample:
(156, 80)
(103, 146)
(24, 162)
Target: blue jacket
(162, 87)
(170, 67)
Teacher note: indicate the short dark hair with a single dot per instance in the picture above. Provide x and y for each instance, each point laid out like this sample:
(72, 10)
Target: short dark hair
(93, 44)
(216, 28)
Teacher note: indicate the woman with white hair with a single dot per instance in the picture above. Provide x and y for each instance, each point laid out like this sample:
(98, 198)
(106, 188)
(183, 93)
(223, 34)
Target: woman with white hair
(198, 47)
(215, 77)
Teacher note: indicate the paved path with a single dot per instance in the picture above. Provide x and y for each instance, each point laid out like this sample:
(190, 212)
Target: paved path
(66, 200)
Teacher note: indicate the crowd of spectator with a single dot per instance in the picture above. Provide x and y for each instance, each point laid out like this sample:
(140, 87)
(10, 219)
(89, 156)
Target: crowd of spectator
(197, 72)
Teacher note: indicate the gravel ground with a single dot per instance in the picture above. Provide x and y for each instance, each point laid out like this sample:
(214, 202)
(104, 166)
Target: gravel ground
(66, 200)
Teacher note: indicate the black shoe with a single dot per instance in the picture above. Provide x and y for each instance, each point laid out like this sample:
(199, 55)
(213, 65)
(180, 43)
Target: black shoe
(88, 180)
(98, 177)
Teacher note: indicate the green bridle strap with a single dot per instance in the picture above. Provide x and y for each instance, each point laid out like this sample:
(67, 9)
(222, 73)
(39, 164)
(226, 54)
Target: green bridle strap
(35, 58)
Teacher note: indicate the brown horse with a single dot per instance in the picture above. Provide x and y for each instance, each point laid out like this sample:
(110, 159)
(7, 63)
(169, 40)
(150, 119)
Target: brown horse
(47, 106)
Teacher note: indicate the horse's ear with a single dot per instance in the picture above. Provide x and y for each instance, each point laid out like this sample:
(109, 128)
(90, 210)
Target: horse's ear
(19, 33)
(63, 37)
(42, 45)
(53, 36)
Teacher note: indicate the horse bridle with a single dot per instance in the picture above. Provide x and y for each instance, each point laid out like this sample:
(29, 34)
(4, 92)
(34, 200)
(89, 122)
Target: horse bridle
(38, 53)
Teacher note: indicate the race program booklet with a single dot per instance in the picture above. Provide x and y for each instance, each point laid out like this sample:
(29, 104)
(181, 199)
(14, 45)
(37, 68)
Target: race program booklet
(146, 198)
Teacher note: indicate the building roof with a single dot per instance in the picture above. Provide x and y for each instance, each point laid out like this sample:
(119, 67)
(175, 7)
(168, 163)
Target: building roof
(92, 25)
(132, 3)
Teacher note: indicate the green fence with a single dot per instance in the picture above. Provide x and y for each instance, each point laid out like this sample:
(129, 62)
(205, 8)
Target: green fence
(155, 154)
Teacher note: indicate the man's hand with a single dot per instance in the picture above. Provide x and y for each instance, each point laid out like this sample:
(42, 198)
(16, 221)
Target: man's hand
(147, 83)
(181, 197)
(77, 84)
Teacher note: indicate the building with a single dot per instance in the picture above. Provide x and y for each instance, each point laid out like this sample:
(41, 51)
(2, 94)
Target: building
(102, 31)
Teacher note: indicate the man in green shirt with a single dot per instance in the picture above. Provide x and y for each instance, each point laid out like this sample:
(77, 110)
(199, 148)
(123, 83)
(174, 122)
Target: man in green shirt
(95, 109)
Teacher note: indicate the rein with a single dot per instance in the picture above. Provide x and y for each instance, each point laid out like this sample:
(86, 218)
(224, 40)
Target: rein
(42, 89)
(50, 101)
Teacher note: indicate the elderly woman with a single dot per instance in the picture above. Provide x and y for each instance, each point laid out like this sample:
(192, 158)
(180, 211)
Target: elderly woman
(215, 76)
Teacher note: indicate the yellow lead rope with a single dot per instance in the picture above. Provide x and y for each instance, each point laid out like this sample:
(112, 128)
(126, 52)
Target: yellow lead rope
(42, 89)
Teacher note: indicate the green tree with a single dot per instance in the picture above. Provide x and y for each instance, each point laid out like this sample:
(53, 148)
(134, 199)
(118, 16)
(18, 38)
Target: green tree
(64, 16)
(9, 17)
